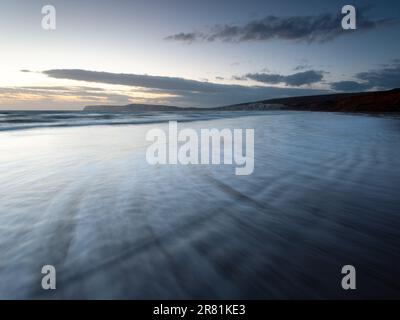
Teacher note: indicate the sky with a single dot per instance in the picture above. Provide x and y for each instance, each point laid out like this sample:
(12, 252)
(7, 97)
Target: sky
(192, 53)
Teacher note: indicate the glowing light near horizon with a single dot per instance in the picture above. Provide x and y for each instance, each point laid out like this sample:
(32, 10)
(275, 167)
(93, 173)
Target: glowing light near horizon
(77, 93)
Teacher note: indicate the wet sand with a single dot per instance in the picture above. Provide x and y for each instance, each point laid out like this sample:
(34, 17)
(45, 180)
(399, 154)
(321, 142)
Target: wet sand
(324, 193)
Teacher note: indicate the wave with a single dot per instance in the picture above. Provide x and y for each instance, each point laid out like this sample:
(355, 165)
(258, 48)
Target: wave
(23, 120)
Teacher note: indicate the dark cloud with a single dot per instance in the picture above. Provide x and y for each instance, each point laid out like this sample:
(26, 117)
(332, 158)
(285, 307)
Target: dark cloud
(319, 28)
(136, 80)
(184, 37)
(266, 78)
(387, 77)
(350, 86)
(185, 92)
(296, 79)
(239, 78)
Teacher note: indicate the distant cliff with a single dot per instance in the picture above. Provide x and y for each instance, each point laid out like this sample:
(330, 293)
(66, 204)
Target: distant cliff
(378, 101)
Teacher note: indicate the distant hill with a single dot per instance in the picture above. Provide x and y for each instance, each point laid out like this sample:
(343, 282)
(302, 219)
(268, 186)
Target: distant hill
(378, 101)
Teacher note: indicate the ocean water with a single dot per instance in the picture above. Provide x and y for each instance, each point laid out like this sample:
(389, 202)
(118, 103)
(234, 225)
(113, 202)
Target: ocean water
(76, 192)
(19, 120)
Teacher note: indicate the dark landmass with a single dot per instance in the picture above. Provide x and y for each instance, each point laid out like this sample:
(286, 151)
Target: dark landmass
(371, 102)
(378, 101)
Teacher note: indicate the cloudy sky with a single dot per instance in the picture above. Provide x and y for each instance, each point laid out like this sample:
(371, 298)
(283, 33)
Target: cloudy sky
(192, 53)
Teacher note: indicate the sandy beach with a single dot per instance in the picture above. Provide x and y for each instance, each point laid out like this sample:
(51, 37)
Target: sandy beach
(324, 193)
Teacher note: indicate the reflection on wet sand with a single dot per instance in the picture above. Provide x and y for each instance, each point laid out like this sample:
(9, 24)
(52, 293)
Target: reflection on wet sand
(324, 193)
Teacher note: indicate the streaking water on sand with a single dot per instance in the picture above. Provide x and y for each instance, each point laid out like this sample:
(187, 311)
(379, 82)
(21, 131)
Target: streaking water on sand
(18, 120)
(325, 193)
